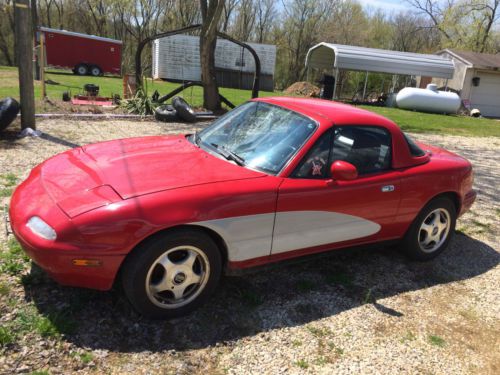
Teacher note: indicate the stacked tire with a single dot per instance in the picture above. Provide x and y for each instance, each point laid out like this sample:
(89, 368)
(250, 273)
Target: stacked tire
(9, 108)
(179, 110)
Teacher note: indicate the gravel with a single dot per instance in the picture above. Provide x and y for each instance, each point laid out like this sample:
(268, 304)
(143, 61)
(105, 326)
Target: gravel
(349, 312)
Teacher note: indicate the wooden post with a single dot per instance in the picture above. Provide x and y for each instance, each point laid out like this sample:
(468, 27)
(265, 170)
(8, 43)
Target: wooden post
(34, 18)
(335, 84)
(42, 64)
(364, 87)
(24, 51)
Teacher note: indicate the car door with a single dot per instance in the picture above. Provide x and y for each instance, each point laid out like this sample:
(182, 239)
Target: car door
(315, 212)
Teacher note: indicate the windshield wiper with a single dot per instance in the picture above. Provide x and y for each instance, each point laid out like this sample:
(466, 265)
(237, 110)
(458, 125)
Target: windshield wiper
(196, 138)
(228, 154)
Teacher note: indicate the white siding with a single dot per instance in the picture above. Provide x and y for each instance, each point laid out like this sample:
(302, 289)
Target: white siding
(178, 57)
(486, 96)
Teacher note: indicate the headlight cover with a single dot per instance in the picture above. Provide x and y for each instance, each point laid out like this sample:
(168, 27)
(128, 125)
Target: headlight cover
(41, 228)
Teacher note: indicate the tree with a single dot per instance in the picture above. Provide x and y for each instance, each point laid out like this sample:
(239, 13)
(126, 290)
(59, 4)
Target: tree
(7, 32)
(465, 24)
(211, 11)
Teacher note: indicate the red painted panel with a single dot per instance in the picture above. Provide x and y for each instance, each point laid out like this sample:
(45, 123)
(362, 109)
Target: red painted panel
(66, 51)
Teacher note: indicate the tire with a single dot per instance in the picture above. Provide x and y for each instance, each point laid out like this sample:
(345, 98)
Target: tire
(186, 288)
(66, 96)
(9, 108)
(166, 113)
(183, 109)
(431, 231)
(95, 71)
(81, 70)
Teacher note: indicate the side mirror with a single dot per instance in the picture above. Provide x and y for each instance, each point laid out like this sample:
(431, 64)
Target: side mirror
(343, 171)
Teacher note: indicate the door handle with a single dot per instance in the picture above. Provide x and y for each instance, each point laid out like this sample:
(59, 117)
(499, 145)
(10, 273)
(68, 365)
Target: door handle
(387, 188)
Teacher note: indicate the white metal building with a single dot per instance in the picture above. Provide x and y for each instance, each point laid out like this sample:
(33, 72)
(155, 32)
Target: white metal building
(177, 58)
(335, 57)
(477, 79)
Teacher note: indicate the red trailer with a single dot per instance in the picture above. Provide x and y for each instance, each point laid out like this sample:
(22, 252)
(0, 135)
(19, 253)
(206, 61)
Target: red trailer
(84, 54)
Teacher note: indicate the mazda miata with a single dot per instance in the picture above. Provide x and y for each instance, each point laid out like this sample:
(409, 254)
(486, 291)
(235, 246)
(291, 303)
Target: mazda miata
(273, 179)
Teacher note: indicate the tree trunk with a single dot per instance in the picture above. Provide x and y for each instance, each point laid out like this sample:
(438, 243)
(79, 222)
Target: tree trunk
(211, 13)
(211, 100)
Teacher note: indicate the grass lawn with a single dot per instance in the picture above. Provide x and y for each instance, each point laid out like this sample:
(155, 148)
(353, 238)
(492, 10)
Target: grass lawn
(419, 122)
(67, 81)
(407, 120)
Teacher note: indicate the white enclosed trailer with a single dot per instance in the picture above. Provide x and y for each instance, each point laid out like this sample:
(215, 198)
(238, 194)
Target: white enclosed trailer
(177, 58)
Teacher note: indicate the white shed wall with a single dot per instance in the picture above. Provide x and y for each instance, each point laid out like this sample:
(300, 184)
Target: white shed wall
(178, 57)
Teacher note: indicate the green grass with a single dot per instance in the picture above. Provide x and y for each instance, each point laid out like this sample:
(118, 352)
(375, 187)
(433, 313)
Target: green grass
(108, 86)
(85, 357)
(48, 325)
(302, 364)
(6, 336)
(410, 336)
(437, 341)
(13, 260)
(4, 289)
(339, 278)
(305, 285)
(9, 181)
(418, 122)
(408, 120)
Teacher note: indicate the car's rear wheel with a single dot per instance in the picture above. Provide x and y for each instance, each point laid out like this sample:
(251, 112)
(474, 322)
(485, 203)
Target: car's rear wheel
(172, 273)
(432, 230)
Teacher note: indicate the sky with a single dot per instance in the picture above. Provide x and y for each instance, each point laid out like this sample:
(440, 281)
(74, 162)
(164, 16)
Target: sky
(386, 5)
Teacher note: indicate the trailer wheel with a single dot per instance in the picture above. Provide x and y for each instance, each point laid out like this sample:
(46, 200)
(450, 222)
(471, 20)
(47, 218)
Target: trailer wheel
(95, 71)
(9, 108)
(81, 70)
(66, 96)
(183, 109)
(166, 113)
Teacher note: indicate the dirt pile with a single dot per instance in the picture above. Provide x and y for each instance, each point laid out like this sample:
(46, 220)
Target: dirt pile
(303, 89)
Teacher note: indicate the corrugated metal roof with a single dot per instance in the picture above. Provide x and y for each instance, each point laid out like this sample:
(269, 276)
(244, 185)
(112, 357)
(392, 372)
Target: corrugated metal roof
(328, 56)
(477, 60)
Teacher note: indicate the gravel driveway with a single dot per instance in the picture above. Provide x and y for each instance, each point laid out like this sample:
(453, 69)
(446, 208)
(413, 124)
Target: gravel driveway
(355, 311)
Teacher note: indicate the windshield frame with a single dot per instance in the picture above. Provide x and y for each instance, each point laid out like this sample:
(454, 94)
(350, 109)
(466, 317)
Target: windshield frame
(212, 150)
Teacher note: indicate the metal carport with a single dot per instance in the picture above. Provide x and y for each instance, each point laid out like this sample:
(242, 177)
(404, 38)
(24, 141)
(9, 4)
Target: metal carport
(338, 56)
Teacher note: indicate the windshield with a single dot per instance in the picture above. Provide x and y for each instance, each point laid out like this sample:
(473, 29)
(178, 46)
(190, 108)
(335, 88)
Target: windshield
(258, 135)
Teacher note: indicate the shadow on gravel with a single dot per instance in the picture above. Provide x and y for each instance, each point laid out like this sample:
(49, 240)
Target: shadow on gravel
(282, 296)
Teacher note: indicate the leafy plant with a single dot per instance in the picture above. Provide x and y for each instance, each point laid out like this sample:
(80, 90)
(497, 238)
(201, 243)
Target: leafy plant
(140, 104)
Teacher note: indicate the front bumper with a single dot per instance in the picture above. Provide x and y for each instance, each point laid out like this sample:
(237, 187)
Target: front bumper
(59, 265)
(57, 257)
(468, 201)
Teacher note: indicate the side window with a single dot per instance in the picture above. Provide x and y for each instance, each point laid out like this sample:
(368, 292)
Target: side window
(316, 162)
(368, 148)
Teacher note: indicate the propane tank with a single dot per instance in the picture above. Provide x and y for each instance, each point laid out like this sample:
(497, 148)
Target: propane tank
(429, 99)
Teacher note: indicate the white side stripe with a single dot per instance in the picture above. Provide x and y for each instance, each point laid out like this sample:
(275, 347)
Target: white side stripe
(250, 236)
(301, 229)
(246, 237)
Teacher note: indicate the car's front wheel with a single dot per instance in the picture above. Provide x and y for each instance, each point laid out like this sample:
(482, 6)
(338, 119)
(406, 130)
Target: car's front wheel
(432, 230)
(172, 273)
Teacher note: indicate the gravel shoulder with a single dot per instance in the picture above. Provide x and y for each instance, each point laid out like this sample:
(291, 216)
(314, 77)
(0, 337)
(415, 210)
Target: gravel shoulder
(349, 312)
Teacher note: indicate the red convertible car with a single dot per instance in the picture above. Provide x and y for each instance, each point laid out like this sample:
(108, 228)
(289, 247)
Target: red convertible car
(275, 178)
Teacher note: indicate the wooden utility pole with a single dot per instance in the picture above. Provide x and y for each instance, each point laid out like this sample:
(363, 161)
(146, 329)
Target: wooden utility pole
(24, 52)
(41, 55)
(34, 18)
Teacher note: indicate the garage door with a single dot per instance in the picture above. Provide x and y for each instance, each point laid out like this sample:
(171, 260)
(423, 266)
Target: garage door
(486, 96)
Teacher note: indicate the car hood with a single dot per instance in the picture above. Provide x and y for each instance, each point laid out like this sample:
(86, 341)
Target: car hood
(98, 174)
